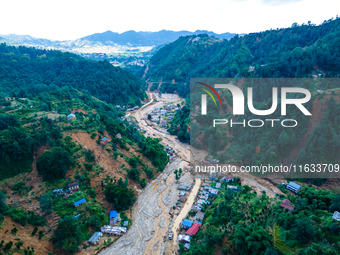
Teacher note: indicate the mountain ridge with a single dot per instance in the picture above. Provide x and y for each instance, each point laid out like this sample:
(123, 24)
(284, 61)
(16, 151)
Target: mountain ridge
(110, 38)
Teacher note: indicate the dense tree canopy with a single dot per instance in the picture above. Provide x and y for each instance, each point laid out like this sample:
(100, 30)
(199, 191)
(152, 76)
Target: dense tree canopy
(68, 234)
(54, 163)
(26, 72)
(119, 195)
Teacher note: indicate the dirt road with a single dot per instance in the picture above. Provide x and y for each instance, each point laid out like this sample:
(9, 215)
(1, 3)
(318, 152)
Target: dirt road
(185, 210)
(167, 139)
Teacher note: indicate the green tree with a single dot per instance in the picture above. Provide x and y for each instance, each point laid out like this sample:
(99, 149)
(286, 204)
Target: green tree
(317, 249)
(68, 234)
(134, 174)
(133, 162)
(120, 196)
(3, 205)
(143, 183)
(54, 164)
(46, 203)
(14, 231)
(335, 203)
(8, 246)
(19, 244)
(304, 230)
(251, 239)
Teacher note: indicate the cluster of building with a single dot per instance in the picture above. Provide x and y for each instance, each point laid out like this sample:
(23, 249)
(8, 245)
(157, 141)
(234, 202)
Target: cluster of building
(111, 229)
(156, 117)
(72, 188)
(191, 228)
(105, 140)
(294, 187)
(204, 195)
(132, 109)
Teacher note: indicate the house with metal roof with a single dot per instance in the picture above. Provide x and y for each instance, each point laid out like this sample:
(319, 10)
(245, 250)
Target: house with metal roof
(213, 192)
(125, 223)
(119, 136)
(105, 140)
(218, 185)
(232, 187)
(199, 216)
(183, 187)
(162, 123)
(184, 238)
(74, 187)
(193, 229)
(182, 193)
(187, 246)
(113, 230)
(182, 199)
(71, 116)
(58, 191)
(113, 218)
(286, 204)
(113, 214)
(228, 178)
(187, 223)
(292, 186)
(197, 208)
(336, 216)
(80, 202)
(95, 238)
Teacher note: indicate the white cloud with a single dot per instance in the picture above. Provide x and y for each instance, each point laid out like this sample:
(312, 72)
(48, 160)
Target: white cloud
(280, 2)
(65, 19)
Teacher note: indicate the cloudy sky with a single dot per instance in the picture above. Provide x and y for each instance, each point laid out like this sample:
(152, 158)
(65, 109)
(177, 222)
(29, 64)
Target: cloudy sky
(72, 19)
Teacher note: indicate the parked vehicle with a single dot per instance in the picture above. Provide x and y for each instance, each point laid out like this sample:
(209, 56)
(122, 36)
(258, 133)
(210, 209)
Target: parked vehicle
(171, 235)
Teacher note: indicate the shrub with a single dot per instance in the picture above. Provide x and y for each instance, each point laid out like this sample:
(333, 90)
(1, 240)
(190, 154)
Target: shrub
(34, 231)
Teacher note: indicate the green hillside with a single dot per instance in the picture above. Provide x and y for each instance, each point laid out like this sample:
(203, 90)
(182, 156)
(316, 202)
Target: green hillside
(299, 51)
(25, 72)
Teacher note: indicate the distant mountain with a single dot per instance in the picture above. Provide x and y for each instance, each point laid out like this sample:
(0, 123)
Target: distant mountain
(129, 38)
(133, 38)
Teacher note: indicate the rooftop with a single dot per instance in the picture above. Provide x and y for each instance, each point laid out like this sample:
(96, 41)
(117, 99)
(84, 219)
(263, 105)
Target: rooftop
(73, 184)
(95, 237)
(193, 229)
(336, 216)
(294, 185)
(83, 200)
(113, 214)
(187, 223)
(286, 204)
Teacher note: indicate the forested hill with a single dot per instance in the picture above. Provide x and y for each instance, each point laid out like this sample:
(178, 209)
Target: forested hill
(292, 52)
(25, 72)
